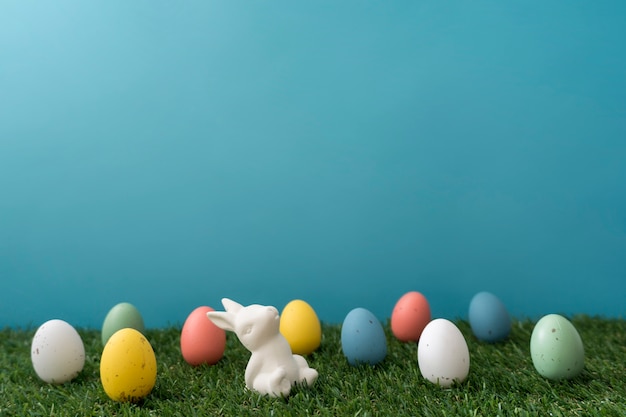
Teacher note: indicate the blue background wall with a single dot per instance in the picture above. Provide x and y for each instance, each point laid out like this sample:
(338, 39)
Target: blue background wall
(172, 153)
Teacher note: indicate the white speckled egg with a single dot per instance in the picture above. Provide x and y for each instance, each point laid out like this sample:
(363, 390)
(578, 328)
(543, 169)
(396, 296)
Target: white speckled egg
(57, 352)
(442, 353)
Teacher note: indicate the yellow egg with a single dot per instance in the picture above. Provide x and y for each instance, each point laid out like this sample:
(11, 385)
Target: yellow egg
(301, 327)
(128, 366)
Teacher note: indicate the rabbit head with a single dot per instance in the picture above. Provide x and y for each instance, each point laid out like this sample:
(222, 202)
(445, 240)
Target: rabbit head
(254, 325)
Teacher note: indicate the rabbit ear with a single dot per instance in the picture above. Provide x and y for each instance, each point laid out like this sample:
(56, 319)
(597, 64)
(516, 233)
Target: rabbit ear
(231, 306)
(222, 319)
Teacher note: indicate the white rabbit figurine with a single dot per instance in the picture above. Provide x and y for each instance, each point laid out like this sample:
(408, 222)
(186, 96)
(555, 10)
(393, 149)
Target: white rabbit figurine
(272, 368)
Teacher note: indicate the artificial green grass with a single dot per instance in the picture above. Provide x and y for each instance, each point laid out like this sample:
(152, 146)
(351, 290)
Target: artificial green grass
(502, 381)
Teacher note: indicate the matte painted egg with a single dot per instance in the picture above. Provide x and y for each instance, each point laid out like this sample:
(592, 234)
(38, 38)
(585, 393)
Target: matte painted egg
(128, 366)
(556, 348)
(442, 353)
(363, 338)
(57, 352)
(121, 316)
(488, 318)
(409, 317)
(301, 327)
(201, 341)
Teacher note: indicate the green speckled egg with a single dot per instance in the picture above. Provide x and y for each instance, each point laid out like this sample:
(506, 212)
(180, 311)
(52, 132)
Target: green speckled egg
(556, 348)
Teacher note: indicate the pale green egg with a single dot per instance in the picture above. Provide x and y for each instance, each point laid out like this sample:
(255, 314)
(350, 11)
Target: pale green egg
(121, 316)
(556, 348)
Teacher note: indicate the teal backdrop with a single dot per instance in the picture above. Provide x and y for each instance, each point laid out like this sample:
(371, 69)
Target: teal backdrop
(171, 153)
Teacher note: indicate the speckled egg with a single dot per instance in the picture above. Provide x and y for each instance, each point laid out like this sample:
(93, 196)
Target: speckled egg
(201, 341)
(301, 327)
(57, 352)
(128, 366)
(442, 353)
(488, 318)
(363, 338)
(556, 348)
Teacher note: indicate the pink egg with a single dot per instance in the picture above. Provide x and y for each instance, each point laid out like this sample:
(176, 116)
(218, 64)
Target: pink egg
(201, 341)
(409, 317)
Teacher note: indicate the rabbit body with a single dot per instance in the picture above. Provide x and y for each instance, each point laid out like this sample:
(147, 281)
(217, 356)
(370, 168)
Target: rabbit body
(272, 368)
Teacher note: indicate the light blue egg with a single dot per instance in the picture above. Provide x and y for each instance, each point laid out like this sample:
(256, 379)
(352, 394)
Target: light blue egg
(488, 318)
(363, 338)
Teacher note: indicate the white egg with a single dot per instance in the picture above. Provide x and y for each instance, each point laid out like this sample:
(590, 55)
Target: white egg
(57, 352)
(442, 353)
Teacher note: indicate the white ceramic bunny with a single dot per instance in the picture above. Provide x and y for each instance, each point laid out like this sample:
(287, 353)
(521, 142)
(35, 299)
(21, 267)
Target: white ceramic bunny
(272, 368)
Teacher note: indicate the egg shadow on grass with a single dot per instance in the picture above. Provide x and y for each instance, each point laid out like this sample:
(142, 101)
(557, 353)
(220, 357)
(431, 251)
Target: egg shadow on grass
(585, 377)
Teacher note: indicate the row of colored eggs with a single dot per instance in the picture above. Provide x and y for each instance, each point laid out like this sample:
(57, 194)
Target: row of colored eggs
(556, 348)
(128, 364)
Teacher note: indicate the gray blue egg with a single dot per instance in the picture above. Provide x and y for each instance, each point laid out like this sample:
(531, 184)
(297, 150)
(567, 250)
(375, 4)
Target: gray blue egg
(363, 339)
(488, 317)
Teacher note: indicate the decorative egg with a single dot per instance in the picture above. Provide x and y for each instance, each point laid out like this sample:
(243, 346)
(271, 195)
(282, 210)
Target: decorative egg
(556, 348)
(442, 353)
(488, 318)
(121, 316)
(201, 341)
(409, 317)
(363, 338)
(301, 327)
(128, 366)
(57, 352)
